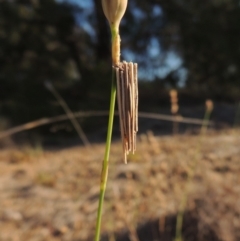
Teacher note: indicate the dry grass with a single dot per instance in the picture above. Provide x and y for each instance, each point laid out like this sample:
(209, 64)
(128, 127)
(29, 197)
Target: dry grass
(53, 195)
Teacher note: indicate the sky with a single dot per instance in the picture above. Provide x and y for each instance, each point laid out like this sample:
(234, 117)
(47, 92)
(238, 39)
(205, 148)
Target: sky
(172, 60)
(82, 3)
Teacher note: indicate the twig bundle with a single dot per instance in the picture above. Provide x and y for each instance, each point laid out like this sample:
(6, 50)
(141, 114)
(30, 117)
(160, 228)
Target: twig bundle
(127, 95)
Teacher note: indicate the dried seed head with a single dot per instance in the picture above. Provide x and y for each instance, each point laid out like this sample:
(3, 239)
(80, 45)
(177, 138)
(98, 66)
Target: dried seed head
(209, 105)
(174, 101)
(114, 11)
(174, 96)
(174, 108)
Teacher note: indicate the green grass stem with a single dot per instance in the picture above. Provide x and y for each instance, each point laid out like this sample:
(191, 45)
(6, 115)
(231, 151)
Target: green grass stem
(205, 124)
(183, 203)
(104, 174)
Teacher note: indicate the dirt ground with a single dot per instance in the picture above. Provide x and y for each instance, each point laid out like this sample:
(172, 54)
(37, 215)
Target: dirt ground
(53, 195)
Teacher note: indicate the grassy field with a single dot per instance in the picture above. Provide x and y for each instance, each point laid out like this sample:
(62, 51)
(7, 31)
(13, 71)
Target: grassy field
(53, 195)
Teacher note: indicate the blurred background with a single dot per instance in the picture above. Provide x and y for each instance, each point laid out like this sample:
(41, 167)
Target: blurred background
(182, 184)
(192, 47)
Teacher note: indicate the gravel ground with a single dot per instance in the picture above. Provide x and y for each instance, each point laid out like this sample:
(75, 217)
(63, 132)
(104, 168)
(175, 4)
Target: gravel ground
(53, 195)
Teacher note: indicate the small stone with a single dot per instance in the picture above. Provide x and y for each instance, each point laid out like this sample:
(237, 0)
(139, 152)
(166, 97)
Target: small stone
(12, 215)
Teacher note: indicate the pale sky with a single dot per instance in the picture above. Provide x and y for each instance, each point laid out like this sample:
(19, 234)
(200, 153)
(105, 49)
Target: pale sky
(172, 60)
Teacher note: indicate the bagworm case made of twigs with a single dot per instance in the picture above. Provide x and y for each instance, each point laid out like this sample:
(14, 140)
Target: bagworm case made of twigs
(127, 96)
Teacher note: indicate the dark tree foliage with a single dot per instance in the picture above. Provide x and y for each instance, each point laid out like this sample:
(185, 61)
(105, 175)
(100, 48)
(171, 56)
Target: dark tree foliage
(208, 33)
(205, 34)
(102, 33)
(39, 41)
(45, 40)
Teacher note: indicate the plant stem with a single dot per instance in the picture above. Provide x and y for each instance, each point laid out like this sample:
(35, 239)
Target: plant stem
(70, 115)
(205, 122)
(104, 173)
(183, 203)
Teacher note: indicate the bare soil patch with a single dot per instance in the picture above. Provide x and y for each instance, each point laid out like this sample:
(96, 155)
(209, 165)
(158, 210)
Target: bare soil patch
(53, 195)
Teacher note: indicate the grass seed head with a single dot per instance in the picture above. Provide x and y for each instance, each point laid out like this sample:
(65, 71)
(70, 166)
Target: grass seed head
(114, 11)
(174, 96)
(209, 105)
(174, 101)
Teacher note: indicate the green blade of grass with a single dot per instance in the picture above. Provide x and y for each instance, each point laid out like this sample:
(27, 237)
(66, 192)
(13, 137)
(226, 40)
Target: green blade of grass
(183, 203)
(104, 174)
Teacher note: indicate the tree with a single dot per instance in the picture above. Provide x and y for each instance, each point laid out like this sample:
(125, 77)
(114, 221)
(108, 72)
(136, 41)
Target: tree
(38, 42)
(204, 34)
